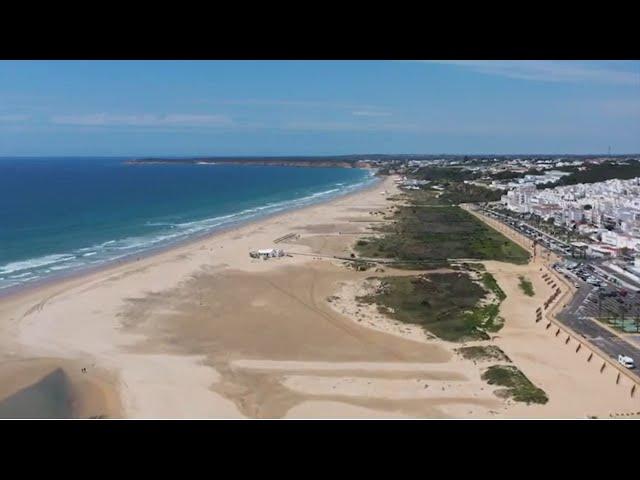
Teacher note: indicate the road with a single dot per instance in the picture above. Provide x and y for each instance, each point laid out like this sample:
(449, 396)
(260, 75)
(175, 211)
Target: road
(541, 234)
(592, 331)
(607, 341)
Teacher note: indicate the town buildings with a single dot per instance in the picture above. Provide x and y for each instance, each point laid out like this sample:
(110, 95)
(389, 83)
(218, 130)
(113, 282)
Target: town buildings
(607, 212)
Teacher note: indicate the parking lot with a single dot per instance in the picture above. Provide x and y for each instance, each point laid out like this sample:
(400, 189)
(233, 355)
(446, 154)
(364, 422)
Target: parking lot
(551, 243)
(599, 297)
(610, 306)
(605, 299)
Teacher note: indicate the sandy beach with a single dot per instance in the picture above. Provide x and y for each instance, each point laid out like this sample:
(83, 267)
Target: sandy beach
(205, 331)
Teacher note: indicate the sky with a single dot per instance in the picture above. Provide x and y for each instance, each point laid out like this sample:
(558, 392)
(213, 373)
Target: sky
(193, 108)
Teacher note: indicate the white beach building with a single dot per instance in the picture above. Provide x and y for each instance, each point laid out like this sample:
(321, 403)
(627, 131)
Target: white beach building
(266, 253)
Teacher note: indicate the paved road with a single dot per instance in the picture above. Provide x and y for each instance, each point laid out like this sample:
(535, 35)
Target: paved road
(610, 343)
(591, 330)
(630, 284)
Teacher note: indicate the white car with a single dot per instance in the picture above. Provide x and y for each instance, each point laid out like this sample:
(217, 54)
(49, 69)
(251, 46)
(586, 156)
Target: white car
(626, 361)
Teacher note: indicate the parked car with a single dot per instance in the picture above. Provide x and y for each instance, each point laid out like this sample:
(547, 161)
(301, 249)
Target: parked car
(626, 361)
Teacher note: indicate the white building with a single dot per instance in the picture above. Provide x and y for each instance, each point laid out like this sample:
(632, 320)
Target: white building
(619, 240)
(518, 198)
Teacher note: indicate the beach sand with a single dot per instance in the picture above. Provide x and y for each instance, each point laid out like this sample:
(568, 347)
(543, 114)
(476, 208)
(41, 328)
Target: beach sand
(204, 331)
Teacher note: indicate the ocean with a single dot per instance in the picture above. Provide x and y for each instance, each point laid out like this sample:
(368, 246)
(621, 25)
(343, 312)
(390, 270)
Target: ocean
(61, 215)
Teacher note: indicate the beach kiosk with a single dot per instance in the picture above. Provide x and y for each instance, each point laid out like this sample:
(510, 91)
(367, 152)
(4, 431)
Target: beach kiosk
(266, 253)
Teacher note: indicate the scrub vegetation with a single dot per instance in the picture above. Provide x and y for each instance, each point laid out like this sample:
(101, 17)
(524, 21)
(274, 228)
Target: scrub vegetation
(526, 286)
(451, 306)
(423, 237)
(517, 385)
(483, 353)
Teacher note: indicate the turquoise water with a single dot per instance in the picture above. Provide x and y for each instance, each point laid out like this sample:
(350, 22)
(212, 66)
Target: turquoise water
(60, 215)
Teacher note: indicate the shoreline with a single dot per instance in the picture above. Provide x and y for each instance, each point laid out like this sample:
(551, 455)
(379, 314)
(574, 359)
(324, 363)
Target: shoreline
(82, 272)
(202, 330)
(32, 329)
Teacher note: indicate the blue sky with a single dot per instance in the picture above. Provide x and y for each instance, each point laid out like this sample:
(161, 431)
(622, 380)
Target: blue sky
(136, 108)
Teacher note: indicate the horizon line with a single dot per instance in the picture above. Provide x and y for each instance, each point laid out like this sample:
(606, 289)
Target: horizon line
(326, 155)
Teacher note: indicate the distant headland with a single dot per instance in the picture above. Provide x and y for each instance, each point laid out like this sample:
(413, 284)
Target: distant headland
(346, 161)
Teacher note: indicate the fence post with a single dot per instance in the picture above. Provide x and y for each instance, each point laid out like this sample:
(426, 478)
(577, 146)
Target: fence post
(548, 325)
(604, 364)
(590, 357)
(567, 340)
(579, 347)
(633, 389)
(557, 332)
(618, 379)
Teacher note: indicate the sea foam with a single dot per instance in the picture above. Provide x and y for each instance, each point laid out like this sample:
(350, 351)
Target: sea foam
(164, 233)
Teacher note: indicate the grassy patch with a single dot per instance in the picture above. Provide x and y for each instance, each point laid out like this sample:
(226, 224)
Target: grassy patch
(485, 317)
(445, 304)
(423, 237)
(517, 385)
(425, 196)
(483, 353)
(433, 173)
(458, 192)
(490, 283)
(526, 286)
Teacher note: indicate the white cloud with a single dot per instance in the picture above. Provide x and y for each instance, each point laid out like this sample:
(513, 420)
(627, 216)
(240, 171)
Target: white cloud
(551, 71)
(437, 128)
(598, 110)
(362, 127)
(310, 104)
(328, 126)
(276, 103)
(144, 120)
(622, 108)
(370, 113)
(13, 118)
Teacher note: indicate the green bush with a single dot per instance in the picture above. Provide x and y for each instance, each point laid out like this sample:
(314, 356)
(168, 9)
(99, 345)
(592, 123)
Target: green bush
(518, 386)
